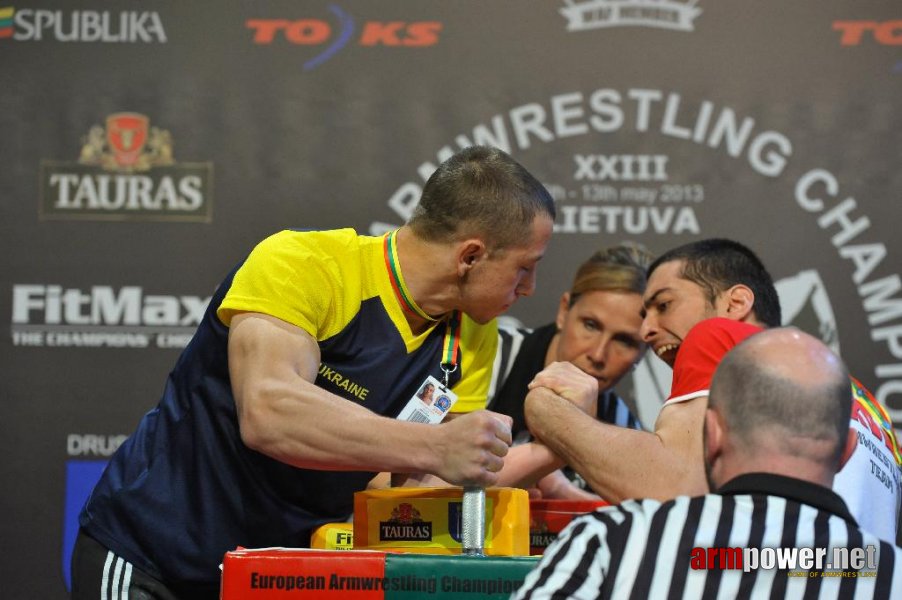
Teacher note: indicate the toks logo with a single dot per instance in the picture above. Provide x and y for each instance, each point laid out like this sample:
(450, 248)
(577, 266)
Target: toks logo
(126, 171)
(886, 33)
(883, 33)
(317, 32)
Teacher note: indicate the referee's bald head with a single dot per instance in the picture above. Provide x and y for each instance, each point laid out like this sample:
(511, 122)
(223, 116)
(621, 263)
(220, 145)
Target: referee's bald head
(783, 392)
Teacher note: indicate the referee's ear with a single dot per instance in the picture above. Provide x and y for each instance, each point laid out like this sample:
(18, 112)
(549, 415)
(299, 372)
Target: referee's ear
(714, 437)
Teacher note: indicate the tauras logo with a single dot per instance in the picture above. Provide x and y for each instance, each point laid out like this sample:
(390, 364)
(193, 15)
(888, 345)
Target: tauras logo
(541, 539)
(50, 315)
(85, 192)
(405, 525)
(389, 531)
(126, 171)
(663, 14)
(129, 27)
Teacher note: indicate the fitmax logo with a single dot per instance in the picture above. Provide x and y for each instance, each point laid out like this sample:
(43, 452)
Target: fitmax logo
(317, 32)
(51, 316)
(103, 305)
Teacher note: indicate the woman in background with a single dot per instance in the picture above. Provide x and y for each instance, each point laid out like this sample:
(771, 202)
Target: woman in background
(596, 329)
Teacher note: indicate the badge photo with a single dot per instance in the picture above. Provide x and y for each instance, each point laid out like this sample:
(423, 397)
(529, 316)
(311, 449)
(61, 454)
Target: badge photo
(429, 404)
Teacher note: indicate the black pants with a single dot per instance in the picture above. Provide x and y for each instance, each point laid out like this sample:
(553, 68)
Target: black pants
(97, 573)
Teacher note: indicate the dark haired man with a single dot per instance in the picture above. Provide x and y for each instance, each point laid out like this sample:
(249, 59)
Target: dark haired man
(702, 299)
(774, 434)
(284, 402)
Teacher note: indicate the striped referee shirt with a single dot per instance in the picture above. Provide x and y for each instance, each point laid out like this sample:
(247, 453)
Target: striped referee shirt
(648, 549)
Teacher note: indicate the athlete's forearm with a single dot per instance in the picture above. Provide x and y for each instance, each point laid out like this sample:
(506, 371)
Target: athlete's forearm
(282, 414)
(300, 424)
(556, 485)
(525, 464)
(616, 462)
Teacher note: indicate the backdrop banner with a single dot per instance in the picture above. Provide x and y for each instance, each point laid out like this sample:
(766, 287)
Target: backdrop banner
(148, 146)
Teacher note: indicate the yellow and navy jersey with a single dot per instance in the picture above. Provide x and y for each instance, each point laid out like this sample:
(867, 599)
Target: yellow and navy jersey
(183, 489)
(336, 286)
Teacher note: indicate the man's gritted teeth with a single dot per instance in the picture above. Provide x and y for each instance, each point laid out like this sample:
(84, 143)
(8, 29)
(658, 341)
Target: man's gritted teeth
(662, 350)
(668, 352)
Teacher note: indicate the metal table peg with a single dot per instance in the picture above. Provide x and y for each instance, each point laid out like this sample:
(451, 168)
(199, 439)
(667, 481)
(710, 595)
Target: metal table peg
(473, 521)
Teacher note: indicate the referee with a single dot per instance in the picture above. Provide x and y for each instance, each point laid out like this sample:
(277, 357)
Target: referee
(775, 430)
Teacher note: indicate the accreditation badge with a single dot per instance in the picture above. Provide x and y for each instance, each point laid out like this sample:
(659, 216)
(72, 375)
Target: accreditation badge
(429, 404)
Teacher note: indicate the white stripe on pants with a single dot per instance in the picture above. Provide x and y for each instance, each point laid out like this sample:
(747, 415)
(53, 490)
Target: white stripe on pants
(122, 571)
